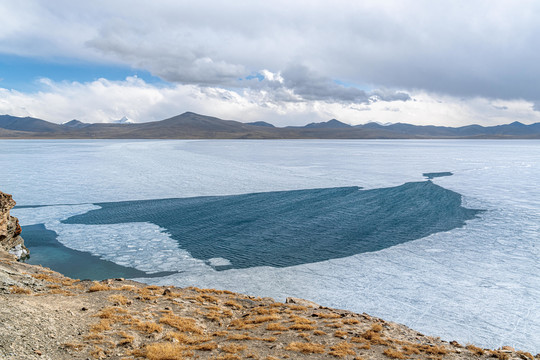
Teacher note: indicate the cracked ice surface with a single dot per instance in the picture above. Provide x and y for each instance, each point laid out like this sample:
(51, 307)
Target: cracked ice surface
(477, 284)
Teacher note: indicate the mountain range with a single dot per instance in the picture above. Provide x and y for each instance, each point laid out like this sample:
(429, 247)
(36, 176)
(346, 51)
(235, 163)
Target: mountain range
(190, 125)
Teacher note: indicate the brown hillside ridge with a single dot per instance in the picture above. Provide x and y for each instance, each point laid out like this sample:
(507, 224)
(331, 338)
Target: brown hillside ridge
(44, 315)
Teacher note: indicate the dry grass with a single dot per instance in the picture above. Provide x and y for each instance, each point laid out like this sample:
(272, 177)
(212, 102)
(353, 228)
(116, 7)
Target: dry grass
(265, 311)
(365, 346)
(205, 347)
(500, 355)
(437, 350)
(99, 287)
(220, 333)
(341, 350)
(409, 350)
(318, 332)
(394, 354)
(335, 325)
(14, 289)
(61, 292)
(526, 356)
(276, 327)
(233, 348)
(306, 348)
(148, 327)
(327, 315)
(187, 339)
(340, 334)
(475, 349)
(125, 339)
(302, 327)
(164, 351)
(101, 326)
(119, 299)
(350, 321)
(228, 357)
(111, 313)
(98, 353)
(210, 291)
(182, 323)
(47, 277)
(301, 320)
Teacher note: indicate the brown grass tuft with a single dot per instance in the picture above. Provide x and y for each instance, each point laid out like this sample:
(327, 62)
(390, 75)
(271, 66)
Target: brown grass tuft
(97, 353)
(527, 356)
(187, 339)
(47, 277)
(164, 351)
(306, 348)
(394, 354)
(74, 346)
(228, 357)
(119, 299)
(276, 327)
(148, 327)
(14, 289)
(99, 287)
(125, 339)
(205, 347)
(500, 355)
(341, 350)
(365, 346)
(233, 348)
(102, 325)
(351, 321)
(182, 323)
(409, 350)
(475, 349)
(302, 327)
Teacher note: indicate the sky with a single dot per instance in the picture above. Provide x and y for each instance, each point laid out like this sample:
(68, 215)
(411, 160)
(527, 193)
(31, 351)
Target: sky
(285, 62)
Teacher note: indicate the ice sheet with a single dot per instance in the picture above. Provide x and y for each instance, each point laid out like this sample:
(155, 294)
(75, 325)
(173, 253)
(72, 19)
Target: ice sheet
(476, 284)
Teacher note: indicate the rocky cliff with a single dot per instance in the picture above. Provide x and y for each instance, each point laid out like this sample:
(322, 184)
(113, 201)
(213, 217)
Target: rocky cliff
(10, 230)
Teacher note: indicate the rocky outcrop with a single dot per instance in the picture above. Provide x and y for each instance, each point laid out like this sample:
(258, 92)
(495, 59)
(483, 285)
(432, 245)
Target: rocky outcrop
(10, 230)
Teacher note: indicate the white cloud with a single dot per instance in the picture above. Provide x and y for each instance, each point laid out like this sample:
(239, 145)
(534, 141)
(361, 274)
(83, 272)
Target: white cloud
(462, 48)
(104, 101)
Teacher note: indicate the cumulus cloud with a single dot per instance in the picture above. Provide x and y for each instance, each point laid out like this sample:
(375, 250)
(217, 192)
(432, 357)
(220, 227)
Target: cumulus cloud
(461, 48)
(104, 101)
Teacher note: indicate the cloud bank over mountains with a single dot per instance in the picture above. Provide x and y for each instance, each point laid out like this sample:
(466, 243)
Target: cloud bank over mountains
(286, 61)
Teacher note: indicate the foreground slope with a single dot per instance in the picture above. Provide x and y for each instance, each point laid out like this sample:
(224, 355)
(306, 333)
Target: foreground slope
(48, 316)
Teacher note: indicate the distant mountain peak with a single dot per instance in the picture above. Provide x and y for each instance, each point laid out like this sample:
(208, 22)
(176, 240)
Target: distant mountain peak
(124, 120)
(260, 123)
(330, 124)
(75, 124)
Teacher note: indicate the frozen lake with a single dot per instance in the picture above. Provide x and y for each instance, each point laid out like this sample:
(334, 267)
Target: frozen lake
(475, 281)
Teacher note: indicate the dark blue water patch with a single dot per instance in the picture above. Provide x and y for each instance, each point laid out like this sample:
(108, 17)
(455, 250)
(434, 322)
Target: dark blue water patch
(47, 251)
(288, 228)
(434, 175)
